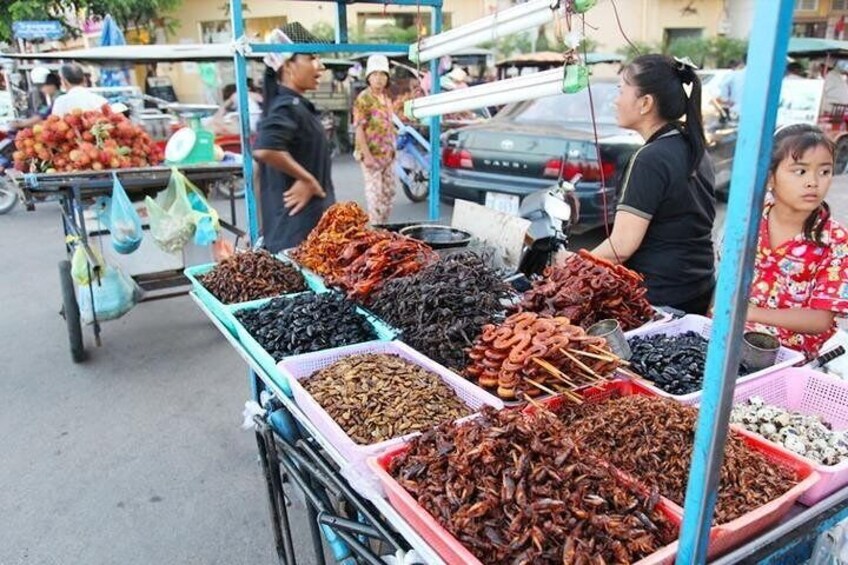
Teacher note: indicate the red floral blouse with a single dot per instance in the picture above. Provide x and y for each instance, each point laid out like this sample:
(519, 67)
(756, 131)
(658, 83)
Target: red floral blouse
(801, 274)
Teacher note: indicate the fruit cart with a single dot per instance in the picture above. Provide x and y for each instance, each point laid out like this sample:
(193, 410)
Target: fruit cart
(76, 192)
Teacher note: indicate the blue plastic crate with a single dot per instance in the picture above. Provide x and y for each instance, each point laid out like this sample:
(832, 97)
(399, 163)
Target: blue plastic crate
(218, 308)
(221, 310)
(313, 279)
(266, 360)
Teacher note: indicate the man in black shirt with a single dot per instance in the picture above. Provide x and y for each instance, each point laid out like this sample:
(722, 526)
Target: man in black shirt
(296, 186)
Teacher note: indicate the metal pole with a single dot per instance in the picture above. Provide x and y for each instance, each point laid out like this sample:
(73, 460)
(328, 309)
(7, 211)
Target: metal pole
(763, 77)
(435, 125)
(341, 22)
(240, 63)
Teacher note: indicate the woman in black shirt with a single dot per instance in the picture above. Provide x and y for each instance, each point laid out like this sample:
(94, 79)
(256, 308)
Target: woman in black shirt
(664, 220)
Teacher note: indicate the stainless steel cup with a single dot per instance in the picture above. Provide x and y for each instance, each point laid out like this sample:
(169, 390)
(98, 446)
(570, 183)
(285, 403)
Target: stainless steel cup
(611, 331)
(759, 350)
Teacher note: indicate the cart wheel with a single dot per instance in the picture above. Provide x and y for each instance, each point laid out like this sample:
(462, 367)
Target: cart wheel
(418, 188)
(841, 156)
(8, 195)
(70, 311)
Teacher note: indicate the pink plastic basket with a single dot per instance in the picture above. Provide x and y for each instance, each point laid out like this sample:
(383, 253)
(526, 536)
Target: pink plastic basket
(300, 367)
(813, 394)
(785, 357)
(446, 545)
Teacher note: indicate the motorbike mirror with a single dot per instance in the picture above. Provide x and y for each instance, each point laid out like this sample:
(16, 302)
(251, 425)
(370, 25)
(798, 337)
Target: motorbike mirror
(556, 208)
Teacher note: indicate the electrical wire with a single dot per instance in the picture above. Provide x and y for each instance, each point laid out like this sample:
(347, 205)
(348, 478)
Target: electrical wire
(598, 154)
(621, 29)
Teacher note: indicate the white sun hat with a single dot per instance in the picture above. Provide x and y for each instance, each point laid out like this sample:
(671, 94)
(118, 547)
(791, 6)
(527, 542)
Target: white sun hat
(377, 64)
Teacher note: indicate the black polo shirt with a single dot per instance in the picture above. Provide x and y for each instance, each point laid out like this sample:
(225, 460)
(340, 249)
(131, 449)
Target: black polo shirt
(292, 124)
(676, 256)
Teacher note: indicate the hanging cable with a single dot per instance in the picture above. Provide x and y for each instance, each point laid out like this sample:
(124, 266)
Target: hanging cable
(598, 155)
(621, 29)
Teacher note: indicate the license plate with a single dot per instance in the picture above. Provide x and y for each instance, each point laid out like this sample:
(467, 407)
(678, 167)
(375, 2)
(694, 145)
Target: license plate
(506, 203)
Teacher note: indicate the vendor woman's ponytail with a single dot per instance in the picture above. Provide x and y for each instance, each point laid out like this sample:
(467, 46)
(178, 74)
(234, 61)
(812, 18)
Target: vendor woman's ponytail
(676, 89)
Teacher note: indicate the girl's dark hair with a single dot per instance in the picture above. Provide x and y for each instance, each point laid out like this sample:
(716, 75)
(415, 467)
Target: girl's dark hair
(663, 78)
(792, 142)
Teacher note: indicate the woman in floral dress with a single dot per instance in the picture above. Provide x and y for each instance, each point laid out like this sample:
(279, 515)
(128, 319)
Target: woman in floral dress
(376, 139)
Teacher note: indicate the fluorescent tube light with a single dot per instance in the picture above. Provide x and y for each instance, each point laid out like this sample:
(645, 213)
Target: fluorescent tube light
(536, 85)
(500, 24)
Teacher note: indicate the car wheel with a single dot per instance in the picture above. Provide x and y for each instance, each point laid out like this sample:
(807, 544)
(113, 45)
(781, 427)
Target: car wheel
(841, 156)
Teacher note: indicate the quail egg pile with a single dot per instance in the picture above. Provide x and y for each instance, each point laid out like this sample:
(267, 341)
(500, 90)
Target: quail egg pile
(809, 436)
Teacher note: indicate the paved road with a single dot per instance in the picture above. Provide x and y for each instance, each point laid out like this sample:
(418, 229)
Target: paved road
(136, 456)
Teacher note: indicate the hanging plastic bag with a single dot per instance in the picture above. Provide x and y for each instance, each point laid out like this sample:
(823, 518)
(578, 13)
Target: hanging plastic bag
(207, 224)
(124, 221)
(111, 297)
(172, 219)
(80, 269)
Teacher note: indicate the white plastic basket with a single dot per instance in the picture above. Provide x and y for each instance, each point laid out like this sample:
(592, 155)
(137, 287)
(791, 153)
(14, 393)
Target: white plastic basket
(703, 326)
(301, 367)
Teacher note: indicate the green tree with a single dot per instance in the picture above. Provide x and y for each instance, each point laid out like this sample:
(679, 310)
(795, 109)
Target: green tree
(723, 50)
(323, 31)
(637, 48)
(696, 48)
(138, 14)
(20, 10)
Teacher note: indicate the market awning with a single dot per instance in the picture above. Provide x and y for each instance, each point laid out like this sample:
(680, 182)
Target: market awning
(817, 47)
(140, 54)
(556, 58)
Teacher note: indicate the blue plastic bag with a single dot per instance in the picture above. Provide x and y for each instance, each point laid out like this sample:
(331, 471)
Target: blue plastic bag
(124, 221)
(114, 294)
(206, 220)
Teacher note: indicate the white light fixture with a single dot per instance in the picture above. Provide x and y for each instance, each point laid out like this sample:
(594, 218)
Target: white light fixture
(536, 85)
(500, 24)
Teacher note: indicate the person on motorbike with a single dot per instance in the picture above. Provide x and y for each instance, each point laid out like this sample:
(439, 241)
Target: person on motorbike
(49, 86)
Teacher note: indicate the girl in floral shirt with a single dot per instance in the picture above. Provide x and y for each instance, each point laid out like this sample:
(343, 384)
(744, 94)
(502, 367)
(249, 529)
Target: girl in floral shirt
(375, 140)
(801, 268)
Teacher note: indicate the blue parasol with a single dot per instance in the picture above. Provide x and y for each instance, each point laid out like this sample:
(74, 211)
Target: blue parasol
(111, 34)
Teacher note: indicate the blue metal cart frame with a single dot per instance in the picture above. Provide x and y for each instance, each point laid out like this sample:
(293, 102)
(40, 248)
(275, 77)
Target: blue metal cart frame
(766, 56)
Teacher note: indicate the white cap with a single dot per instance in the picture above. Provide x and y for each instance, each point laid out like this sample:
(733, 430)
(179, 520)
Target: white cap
(377, 64)
(457, 74)
(39, 75)
(118, 107)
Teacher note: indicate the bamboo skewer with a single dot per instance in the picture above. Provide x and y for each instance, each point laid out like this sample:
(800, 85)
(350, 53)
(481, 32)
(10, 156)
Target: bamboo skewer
(634, 376)
(609, 353)
(582, 365)
(540, 386)
(529, 399)
(609, 358)
(553, 370)
(556, 373)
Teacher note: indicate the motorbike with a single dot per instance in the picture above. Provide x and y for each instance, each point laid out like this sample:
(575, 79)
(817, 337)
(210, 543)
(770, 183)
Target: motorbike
(8, 190)
(552, 213)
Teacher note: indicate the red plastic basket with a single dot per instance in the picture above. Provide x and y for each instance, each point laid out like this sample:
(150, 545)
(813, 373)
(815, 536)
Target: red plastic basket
(736, 532)
(596, 394)
(445, 544)
(723, 537)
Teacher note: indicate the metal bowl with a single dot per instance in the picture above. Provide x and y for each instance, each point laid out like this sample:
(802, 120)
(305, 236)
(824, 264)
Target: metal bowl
(437, 236)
